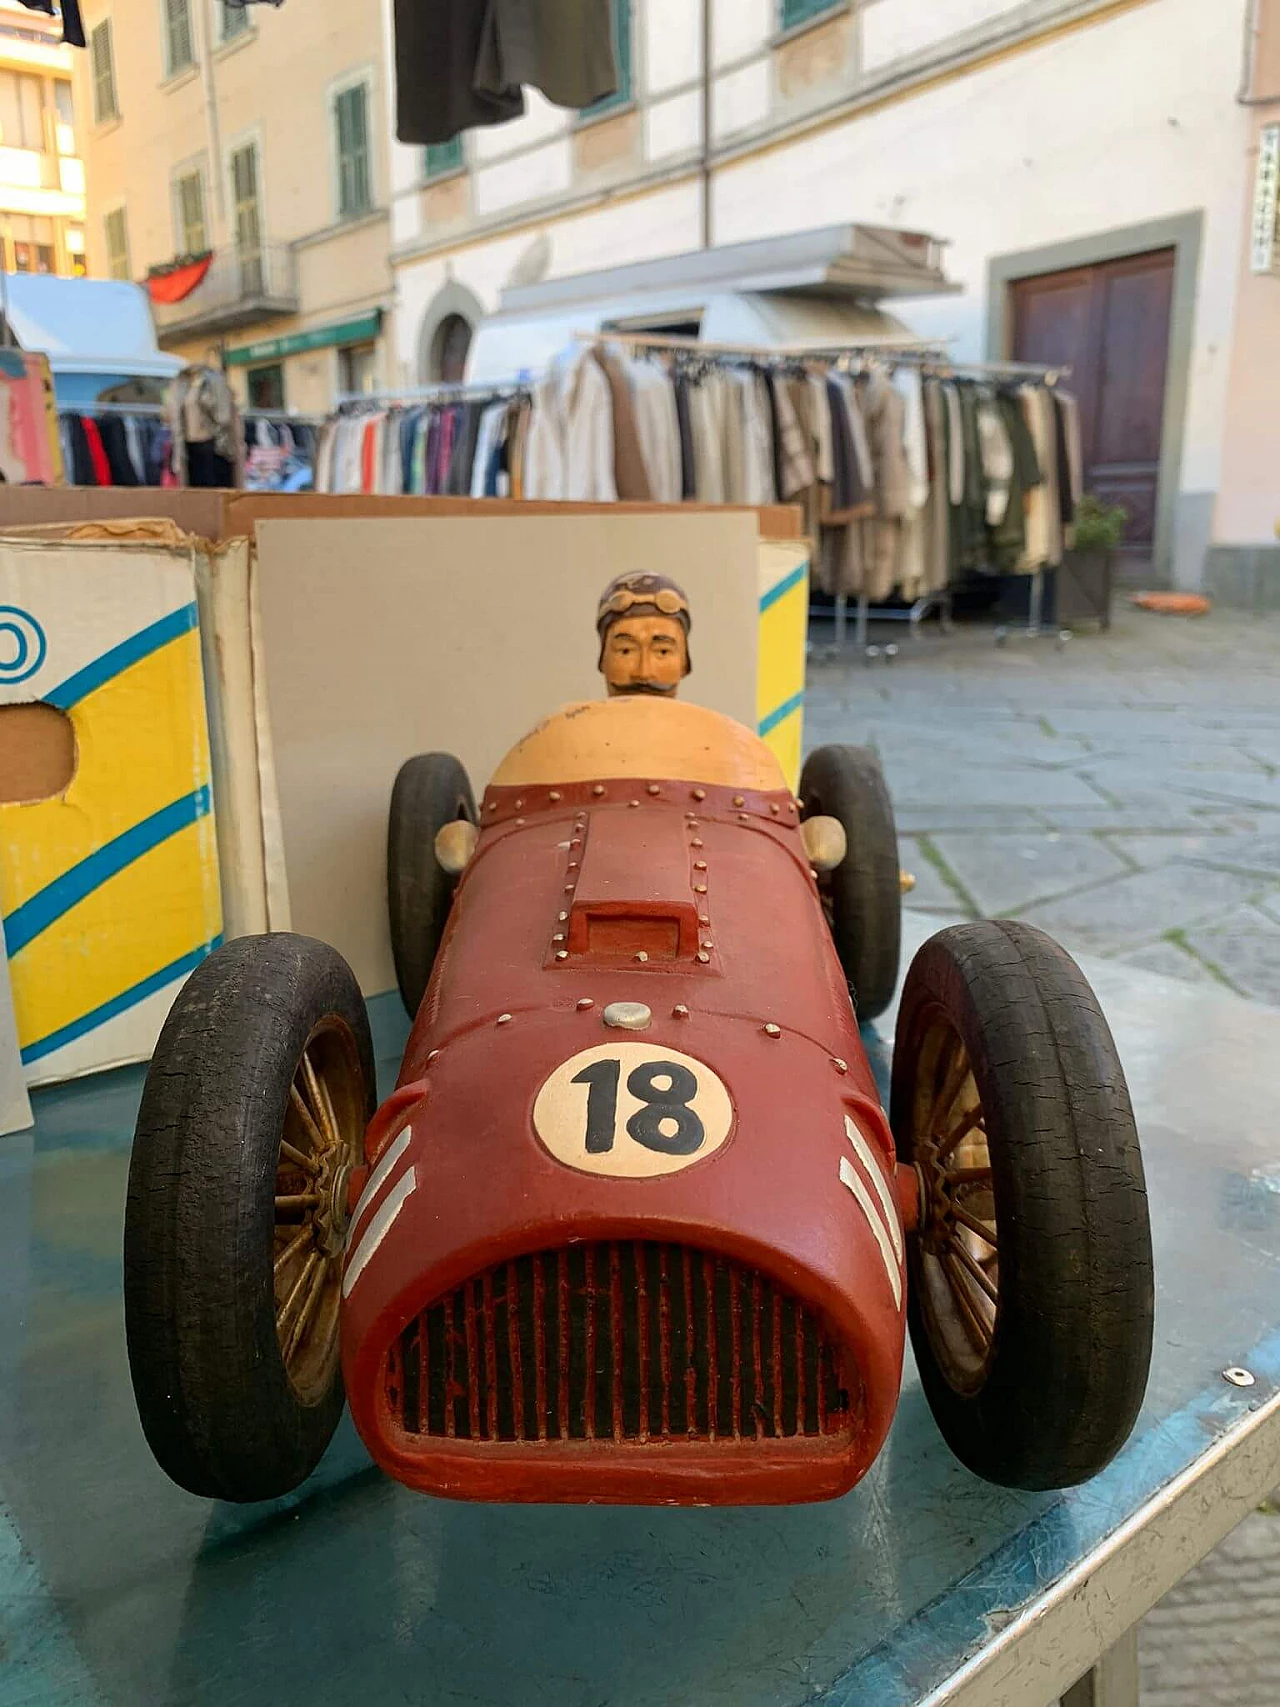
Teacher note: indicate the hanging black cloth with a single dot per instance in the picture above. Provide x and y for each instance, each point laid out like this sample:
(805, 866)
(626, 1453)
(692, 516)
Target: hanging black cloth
(81, 470)
(688, 468)
(72, 26)
(115, 442)
(461, 63)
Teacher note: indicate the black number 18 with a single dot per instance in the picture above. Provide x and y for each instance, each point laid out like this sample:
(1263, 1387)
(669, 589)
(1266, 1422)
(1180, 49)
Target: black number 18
(645, 1125)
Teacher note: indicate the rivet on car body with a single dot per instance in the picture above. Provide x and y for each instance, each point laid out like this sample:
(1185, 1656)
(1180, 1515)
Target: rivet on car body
(568, 888)
(703, 956)
(572, 865)
(519, 804)
(554, 795)
(738, 800)
(679, 1011)
(562, 954)
(562, 917)
(642, 956)
(772, 1030)
(696, 842)
(559, 937)
(775, 808)
(519, 821)
(699, 794)
(493, 806)
(504, 1019)
(744, 817)
(585, 1002)
(703, 919)
(598, 789)
(839, 1065)
(628, 1016)
(654, 789)
(699, 888)
(1240, 1377)
(432, 1056)
(708, 945)
(633, 803)
(699, 865)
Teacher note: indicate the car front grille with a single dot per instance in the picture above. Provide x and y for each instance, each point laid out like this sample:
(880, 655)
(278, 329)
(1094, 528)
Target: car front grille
(629, 1342)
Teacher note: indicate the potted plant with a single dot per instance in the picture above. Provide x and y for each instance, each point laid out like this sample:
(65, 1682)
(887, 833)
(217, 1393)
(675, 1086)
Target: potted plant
(1084, 581)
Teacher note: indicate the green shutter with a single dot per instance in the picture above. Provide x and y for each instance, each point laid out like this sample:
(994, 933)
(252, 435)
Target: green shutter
(104, 74)
(800, 11)
(351, 111)
(441, 158)
(178, 28)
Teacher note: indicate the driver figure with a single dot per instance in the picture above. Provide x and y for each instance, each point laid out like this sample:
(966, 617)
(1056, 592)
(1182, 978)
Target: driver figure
(643, 622)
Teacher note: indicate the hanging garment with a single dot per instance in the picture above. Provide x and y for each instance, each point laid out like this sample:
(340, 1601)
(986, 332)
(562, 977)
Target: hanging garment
(909, 384)
(852, 488)
(206, 467)
(491, 420)
(97, 454)
(802, 406)
(884, 412)
(1071, 470)
(748, 440)
(658, 426)
(937, 544)
(200, 408)
(997, 458)
(569, 454)
(72, 24)
(708, 402)
(461, 63)
(793, 454)
(1043, 525)
(1008, 545)
(116, 446)
(630, 475)
(688, 466)
(136, 445)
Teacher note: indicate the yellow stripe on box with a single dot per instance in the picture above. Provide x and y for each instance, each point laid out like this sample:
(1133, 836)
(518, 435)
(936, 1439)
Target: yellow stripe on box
(155, 911)
(130, 763)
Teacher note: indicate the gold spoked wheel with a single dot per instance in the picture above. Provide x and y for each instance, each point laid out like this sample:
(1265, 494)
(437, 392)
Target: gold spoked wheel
(318, 1149)
(959, 1255)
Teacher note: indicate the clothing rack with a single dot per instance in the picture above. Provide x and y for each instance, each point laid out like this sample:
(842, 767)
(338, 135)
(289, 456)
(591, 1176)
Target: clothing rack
(442, 392)
(928, 353)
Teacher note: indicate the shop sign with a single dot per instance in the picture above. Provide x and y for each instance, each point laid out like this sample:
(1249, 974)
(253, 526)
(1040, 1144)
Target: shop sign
(357, 331)
(1266, 200)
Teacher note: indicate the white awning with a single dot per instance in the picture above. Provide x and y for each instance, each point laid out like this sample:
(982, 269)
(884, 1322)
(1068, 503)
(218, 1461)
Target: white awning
(86, 325)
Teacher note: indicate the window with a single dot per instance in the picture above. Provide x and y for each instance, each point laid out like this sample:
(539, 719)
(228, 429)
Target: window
(357, 369)
(800, 11)
(75, 250)
(248, 218)
(235, 21)
(117, 234)
(351, 121)
(178, 49)
(624, 94)
(188, 210)
(102, 64)
(266, 387)
(65, 109)
(21, 121)
(441, 158)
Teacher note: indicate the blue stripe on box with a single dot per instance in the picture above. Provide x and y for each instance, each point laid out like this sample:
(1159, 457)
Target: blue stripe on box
(119, 1004)
(780, 713)
(783, 587)
(119, 658)
(49, 904)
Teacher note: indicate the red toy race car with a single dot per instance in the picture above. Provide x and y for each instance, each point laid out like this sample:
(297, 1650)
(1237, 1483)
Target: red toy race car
(633, 1225)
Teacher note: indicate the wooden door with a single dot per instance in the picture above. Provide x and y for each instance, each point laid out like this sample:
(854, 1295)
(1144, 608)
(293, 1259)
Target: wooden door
(1110, 324)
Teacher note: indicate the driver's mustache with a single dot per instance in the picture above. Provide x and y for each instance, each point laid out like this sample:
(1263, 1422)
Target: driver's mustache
(646, 687)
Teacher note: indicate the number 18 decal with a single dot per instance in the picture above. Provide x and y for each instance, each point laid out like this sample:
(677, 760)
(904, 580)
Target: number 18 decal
(632, 1111)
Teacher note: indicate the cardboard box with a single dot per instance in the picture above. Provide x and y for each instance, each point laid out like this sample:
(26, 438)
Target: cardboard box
(108, 861)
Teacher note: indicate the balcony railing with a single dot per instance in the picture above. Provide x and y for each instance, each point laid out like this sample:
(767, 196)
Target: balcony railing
(241, 288)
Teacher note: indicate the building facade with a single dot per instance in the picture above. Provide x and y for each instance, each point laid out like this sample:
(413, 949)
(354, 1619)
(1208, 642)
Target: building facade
(1088, 161)
(255, 138)
(42, 205)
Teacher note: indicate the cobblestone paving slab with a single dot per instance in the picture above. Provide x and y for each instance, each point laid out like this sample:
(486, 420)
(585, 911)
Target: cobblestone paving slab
(1140, 907)
(1259, 854)
(1245, 947)
(1173, 960)
(932, 893)
(1007, 872)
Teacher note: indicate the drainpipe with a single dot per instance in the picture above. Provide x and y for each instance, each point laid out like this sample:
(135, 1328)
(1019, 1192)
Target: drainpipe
(209, 22)
(706, 124)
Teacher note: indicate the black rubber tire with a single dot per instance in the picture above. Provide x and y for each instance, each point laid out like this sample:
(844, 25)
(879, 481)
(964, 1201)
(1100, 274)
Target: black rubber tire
(215, 1403)
(1069, 1357)
(431, 790)
(865, 889)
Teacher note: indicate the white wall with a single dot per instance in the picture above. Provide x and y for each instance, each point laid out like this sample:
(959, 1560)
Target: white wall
(1129, 121)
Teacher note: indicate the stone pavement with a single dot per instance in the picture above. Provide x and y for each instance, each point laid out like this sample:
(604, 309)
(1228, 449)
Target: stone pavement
(1123, 793)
